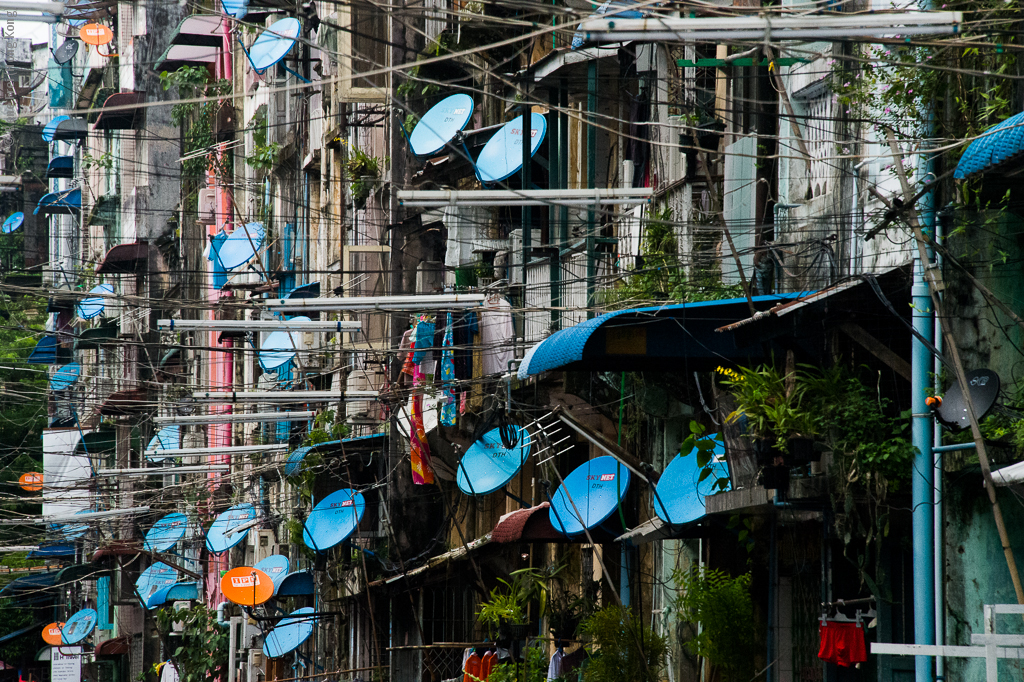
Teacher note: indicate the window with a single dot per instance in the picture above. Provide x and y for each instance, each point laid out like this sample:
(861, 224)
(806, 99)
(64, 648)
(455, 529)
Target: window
(361, 50)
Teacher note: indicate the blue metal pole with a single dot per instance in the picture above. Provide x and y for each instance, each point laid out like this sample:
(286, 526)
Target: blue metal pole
(923, 475)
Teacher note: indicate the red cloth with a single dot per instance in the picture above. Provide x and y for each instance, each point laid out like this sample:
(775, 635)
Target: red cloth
(842, 643)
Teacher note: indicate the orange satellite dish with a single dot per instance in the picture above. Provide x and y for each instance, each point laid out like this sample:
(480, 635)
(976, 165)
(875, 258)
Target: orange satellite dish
(51, 634)
(247, 586)
(95, 34)
(31, 481)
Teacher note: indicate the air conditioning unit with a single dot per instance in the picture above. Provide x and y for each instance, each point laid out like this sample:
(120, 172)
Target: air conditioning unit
(265, 542)
(207, 206)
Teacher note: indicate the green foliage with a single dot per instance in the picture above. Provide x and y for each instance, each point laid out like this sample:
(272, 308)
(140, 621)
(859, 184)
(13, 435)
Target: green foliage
(104, 160)
(960, 90)
(724, 610)
(197, 118)
(13, 618)
(533, 668)
(362, 171)
(702, 445)
(200, 651)
(508, 602)
(627, 650)
(264, 155)
(773, 403)
(661, 275)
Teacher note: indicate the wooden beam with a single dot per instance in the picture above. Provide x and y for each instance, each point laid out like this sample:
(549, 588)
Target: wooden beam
(877, 348)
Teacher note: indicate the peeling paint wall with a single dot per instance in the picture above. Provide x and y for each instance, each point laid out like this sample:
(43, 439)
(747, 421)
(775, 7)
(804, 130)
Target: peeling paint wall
(976, 572)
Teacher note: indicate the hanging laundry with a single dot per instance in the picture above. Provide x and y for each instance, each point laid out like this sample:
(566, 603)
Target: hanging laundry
(842, 643)
(419, 451)
(424, 340)
(449, 409)
(555, 666)
(496, 335)
(405, 353)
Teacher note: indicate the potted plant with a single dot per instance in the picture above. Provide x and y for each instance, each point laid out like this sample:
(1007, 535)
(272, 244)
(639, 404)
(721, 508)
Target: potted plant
(363, 173)
(507, 609)
(779, 413)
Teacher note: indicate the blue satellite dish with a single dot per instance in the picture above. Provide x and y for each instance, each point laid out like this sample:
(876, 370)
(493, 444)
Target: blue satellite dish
(167, 438)
(152, 579)
(488, 465)
(78, 626)
(235, 8)
(74, 531)
(279, 347)
(589, 495)
(296, 584)
(276, 566)
(290, 633)
(13, 222)
(274, 43)
(502, 156)
(241, 246)
(439, 125)
(174, 592)
(50, 129)
(91, 307)
(220, 537)
(680, 493)
(65, 377)
(333, 519)
(165, 533)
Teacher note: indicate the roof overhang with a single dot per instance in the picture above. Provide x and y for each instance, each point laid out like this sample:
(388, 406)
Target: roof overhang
(651, 338)
(121, 111)
(176, 56)
(125, 259)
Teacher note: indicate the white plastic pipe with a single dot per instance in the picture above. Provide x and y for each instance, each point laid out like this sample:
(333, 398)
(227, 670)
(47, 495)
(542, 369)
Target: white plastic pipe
(202, 469)
(533, 197)
(772, 28)
(427, 302)
(227, 397)
(258, 325)
(299, 415)
(236, 449)
(88, 516)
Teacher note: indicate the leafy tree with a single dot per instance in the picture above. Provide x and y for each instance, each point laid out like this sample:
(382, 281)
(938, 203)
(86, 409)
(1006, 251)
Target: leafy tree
(724, 609)
(627, 650)
(200, 650)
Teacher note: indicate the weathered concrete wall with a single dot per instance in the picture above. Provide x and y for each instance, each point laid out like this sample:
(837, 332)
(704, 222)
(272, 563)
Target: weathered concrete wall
(976, 572)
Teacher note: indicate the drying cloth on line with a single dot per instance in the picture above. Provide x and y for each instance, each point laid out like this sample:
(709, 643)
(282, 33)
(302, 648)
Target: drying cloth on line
(842, 643)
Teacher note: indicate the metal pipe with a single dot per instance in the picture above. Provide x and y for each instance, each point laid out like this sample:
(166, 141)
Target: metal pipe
(258, 325)
(776, 36)
(427, 302)
(938, 514)
(226, 397)
(449, 196)
(922, 474)
(231, 450)
(44, 6)
(202, 469)
(300, 415)
(864, 23)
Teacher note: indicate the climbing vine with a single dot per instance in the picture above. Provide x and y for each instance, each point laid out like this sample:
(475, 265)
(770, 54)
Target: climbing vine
(198, 119)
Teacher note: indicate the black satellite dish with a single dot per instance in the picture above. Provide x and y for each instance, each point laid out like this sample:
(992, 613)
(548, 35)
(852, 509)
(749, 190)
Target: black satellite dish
(66, 52)
(186, 405)
(951, 410)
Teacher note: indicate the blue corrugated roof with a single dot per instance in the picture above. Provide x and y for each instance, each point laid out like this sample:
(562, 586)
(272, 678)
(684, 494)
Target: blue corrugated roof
(690, 334)
(68, 200)
(45, 352)
(33, 581)
(996, 145)
(45, 551)
(291, 466)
